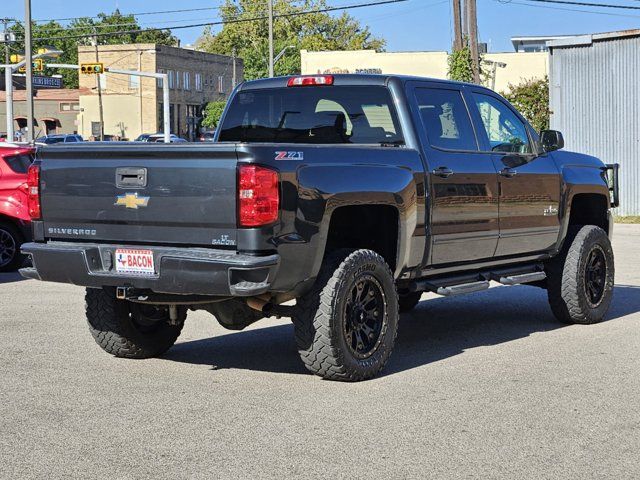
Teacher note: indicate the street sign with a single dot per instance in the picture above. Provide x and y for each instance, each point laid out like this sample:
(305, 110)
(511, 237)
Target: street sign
(47, 82)
(91, 68)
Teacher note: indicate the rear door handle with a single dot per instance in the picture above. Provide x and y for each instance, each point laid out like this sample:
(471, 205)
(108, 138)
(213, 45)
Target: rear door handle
(508, 172)
(443, 172)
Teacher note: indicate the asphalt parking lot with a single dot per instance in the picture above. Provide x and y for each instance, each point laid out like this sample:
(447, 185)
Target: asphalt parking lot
(483, 386)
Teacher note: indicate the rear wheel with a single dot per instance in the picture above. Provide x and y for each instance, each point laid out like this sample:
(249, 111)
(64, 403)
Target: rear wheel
(346, 326)
(130, 330)
(580, 281)
(10, 241)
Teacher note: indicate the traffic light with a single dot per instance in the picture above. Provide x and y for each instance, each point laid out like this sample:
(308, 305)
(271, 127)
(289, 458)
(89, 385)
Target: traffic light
(37, 66)
(15, 58)
(91, 68)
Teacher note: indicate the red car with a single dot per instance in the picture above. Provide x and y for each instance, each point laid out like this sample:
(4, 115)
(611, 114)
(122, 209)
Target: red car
(15, 223)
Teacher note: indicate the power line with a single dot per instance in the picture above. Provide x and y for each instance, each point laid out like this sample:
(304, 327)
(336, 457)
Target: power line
(222, 22)
(577, 10)
(588, 4)
(132, 14)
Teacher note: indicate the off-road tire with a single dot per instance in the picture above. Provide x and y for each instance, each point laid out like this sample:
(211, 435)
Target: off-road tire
(567, 283)
(113, 326)
(408, 301)
(320, 317)
(9, 233)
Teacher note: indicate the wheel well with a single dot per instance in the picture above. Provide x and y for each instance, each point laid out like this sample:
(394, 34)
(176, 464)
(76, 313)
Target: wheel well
(589, 209)
(10, 220)
(374, 227)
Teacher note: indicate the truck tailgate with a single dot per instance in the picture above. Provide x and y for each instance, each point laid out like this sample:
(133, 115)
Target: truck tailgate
(140, 193)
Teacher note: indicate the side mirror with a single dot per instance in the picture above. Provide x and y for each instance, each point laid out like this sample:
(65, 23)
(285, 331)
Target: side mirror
(551, 140)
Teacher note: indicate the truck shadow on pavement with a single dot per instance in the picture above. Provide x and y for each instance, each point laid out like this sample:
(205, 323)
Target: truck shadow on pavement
(10, 277)
(436, 329)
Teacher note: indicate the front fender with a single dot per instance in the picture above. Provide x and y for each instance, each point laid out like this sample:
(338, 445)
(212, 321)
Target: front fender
(579, 179)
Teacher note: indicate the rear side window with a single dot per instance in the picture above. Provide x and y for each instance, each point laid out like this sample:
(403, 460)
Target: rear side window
(326, 115)
(446, 119)
(18, 163)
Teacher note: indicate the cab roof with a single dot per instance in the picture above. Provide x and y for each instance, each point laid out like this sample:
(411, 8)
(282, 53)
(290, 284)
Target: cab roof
(346, 79)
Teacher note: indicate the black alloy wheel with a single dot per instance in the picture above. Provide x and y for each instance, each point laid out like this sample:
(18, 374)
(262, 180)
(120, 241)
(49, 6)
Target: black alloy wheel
(8, 248)
(10, 242)
(364, 316)
(595, 276)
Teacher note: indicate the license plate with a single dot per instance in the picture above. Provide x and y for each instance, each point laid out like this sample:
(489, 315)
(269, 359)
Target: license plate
(130, 260)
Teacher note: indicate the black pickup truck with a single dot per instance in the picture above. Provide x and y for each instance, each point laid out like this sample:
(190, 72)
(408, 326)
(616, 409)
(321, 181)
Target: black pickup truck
(350, 194)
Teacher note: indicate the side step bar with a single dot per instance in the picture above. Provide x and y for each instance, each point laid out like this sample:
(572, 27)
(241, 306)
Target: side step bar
(463, 288)
(479, 280)
(523, 278)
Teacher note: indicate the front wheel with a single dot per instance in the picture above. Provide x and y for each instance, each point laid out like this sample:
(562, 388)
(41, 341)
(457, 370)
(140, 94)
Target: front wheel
(130, 330)
(580, 281)
(346, 325)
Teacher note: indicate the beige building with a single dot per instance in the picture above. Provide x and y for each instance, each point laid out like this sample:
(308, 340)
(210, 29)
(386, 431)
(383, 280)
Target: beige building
(133, 105)
(55, 111)
(509, 68)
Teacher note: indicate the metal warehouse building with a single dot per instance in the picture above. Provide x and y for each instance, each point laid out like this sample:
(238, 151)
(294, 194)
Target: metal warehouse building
(594, 83)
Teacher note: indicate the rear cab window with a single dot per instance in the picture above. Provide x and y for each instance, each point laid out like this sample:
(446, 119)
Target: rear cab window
(314, 115)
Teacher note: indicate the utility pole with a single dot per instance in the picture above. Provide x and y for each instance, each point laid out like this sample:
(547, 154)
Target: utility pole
(233, 74)
(100, 108)
(28, 57)
(6, 22)
(472, 19)
(270, 5)
(457, 26)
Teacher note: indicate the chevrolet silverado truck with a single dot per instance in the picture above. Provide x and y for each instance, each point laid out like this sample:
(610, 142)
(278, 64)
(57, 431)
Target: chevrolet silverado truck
(336, 200)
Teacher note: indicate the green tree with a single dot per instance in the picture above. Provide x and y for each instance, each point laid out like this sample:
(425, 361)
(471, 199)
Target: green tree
(314, 31)
(531, 99)
(460, 65)
(61, 37)
(212, 113)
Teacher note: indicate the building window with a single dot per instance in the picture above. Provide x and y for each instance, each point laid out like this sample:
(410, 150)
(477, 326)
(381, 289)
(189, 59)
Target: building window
(134, 82)
(178, 77)
(159, 81)
(198, 82)
(172, 78)
(68, 107)
(187, 81)
(221, 84)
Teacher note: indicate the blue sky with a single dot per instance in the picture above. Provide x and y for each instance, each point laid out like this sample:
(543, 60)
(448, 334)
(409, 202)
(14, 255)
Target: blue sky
(412, 25)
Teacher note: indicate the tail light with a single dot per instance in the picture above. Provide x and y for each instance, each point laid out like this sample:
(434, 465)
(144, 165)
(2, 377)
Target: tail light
(306, 81)
(258, 196)
(33, 192)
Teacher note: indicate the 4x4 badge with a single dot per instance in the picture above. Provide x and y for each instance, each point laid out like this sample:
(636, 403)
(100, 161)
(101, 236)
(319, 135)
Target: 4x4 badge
(132, 200)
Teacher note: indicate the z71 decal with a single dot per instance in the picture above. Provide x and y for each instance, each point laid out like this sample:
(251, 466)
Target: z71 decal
(289, 155)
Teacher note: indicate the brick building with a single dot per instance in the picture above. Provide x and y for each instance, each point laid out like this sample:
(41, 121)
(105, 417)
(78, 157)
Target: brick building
(133, 105)
(55, 111)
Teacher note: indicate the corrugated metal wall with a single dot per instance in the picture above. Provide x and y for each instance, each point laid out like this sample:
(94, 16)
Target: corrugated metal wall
(595, 103)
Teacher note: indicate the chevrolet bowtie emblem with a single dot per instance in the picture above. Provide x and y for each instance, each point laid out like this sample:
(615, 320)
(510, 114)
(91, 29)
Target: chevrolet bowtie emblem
(132, 200)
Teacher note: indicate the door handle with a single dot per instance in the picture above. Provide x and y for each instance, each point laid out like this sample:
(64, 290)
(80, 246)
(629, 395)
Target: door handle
(508, 172)
(443, 172)
(131, 177)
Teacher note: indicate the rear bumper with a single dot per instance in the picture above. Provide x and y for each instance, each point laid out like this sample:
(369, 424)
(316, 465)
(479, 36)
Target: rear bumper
(183, 271)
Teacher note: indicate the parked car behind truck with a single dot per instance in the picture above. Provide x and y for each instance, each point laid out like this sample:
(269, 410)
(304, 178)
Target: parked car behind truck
(352, 194)
(15, 221)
